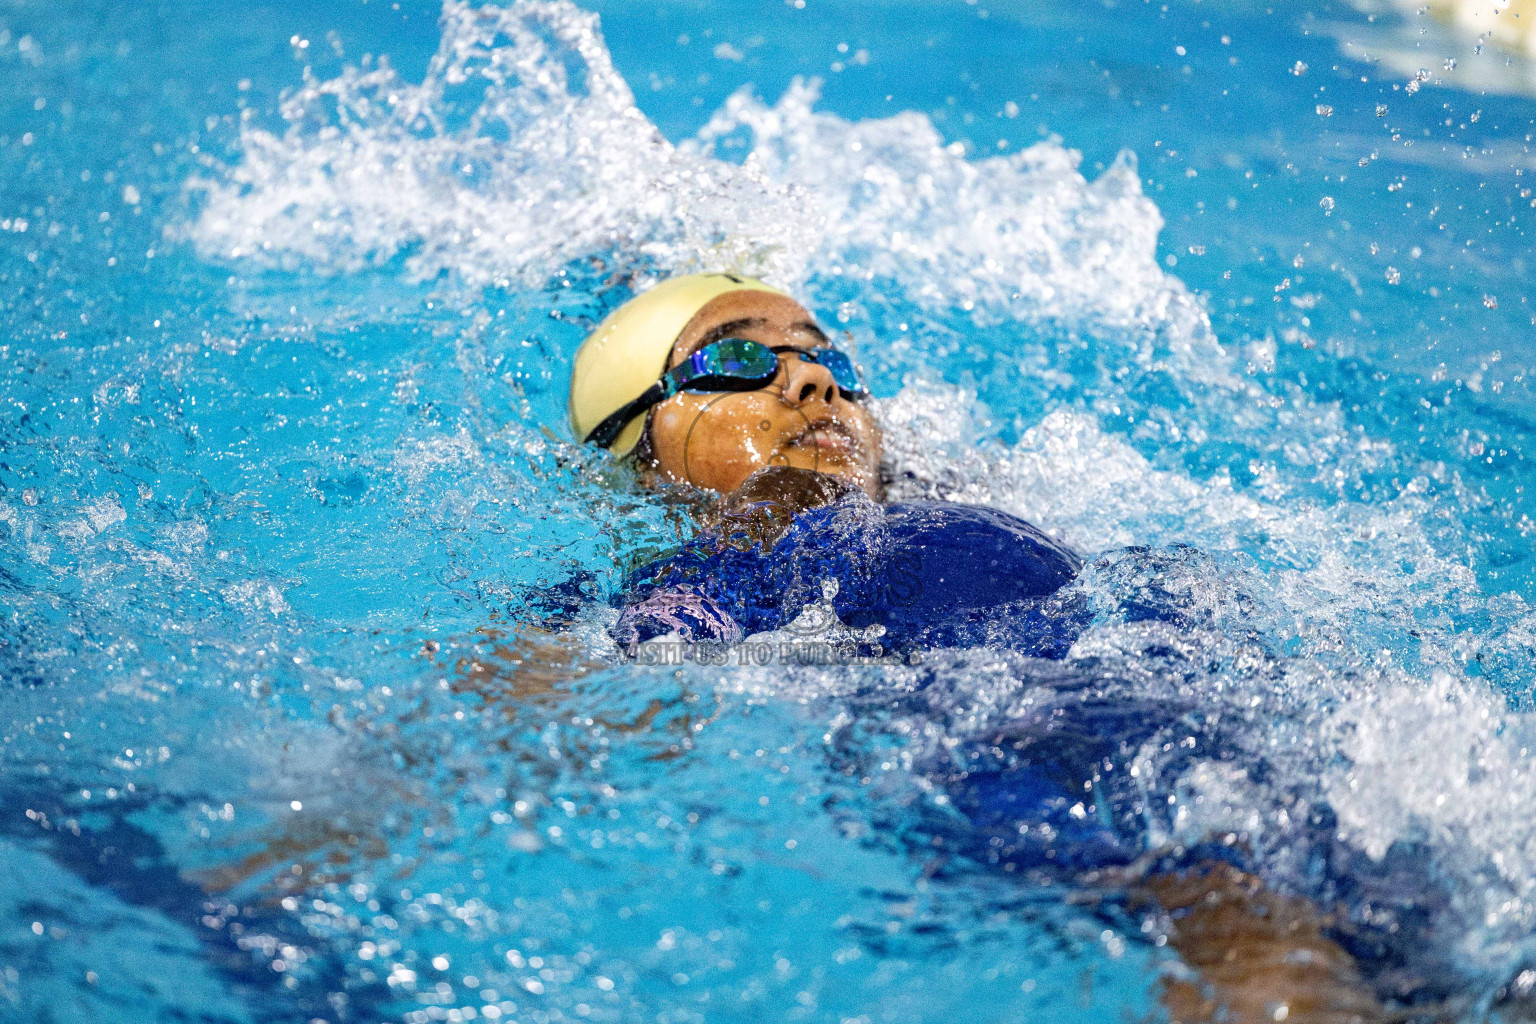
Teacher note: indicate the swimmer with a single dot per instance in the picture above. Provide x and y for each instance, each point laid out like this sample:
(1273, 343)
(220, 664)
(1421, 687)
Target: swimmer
(725, 385)
(728, 386)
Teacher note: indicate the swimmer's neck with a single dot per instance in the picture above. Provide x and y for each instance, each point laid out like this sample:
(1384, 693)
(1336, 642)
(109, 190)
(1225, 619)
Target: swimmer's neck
(798, 490)
(771, 498)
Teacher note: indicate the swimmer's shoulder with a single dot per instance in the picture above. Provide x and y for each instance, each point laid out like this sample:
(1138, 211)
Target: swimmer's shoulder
(797, 514)
(955, 524)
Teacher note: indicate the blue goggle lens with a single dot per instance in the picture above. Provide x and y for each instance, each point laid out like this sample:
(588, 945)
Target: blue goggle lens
(737, 364)
(731, 364)
(839, 365)
(735, 358)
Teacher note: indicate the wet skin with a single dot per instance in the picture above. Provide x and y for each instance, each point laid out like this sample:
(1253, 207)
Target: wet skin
(717, 440)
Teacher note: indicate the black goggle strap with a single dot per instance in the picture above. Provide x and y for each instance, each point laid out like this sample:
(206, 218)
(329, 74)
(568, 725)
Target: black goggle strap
(687, 373)
(605, 433)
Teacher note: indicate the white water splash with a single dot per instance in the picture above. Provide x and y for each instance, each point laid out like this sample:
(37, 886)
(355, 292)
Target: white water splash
(521, 150)
(1448, 765)
(1019, 238)
(1347, 575)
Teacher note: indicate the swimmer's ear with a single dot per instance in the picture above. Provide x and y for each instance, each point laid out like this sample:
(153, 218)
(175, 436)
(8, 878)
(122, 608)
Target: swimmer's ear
(649, 474)
(647, 465)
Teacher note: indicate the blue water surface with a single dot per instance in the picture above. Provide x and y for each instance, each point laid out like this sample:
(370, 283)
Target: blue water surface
(285, 484)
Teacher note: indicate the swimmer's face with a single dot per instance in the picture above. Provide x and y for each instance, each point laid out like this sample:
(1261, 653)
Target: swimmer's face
(801, 419)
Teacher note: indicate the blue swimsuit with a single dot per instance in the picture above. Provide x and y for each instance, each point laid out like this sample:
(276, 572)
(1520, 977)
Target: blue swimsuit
(1048, 793)
(933, 574)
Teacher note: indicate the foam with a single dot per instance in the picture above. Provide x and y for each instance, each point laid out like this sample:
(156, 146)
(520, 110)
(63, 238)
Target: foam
(1361, 593)
(500, 166)
(522, 150)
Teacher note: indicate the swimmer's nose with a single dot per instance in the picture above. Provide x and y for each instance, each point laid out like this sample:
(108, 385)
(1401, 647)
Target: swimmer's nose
(806, 382)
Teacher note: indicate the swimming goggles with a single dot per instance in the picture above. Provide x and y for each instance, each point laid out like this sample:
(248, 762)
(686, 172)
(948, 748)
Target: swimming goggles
(731, 364)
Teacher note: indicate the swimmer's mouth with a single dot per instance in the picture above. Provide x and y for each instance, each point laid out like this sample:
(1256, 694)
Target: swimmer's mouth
(826, 436)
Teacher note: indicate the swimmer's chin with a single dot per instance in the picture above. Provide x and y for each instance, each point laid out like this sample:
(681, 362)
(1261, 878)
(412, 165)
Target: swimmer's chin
(820, 459)
(849, 467)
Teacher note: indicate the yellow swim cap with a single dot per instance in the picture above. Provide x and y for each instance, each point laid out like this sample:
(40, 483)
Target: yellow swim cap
(628, 352)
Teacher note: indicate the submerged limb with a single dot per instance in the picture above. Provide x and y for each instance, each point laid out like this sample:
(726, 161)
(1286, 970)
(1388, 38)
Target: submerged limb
(508, 671)
(1257, 955)
(529, 662)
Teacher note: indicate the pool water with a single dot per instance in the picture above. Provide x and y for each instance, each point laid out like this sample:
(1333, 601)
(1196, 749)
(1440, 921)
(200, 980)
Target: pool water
(288, 298)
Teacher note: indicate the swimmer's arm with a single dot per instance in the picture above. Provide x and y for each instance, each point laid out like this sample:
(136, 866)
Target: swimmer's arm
(509, 669)
(1257, 955)
(524, 662)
